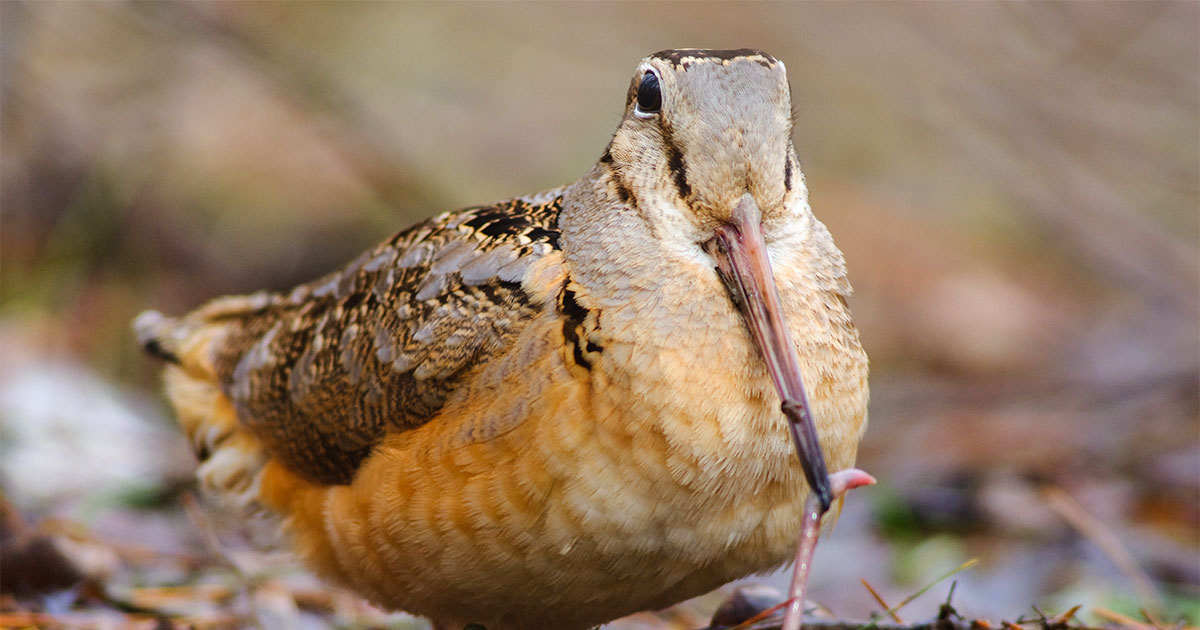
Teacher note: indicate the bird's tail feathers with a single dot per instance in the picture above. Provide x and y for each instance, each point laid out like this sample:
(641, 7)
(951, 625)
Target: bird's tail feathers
(231, 457)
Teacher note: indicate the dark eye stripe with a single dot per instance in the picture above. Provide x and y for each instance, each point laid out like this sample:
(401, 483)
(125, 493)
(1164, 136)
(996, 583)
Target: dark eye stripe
(675, 163)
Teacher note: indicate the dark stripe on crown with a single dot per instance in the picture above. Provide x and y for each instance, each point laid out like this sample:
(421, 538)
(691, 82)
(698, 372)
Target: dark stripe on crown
(685, 57)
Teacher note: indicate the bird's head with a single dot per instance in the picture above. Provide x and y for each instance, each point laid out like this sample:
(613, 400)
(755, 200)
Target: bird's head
(701, 129)
(704, 154)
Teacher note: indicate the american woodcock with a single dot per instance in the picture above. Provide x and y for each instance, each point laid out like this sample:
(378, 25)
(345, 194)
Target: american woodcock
(559, 409)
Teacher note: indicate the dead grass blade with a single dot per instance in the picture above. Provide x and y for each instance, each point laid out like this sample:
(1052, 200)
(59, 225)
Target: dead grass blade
(1109, 544)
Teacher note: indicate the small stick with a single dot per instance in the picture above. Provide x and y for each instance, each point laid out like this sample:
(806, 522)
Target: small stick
(810, 529)
(1073, 512)
(879, 598)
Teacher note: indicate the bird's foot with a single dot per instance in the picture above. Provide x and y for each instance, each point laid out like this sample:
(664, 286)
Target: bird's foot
(840, 482)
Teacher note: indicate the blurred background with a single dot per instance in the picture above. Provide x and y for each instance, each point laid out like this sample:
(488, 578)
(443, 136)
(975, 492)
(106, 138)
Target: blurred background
(1016, 188)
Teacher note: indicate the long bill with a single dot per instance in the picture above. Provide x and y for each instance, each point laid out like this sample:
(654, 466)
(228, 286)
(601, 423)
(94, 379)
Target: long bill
(742, 263)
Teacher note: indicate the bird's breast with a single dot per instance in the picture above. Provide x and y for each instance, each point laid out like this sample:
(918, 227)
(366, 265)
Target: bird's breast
(626, 452)
(698, 442)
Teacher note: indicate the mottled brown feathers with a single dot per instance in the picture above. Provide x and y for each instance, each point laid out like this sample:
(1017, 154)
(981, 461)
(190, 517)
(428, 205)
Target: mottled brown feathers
(320, 374)
(577, 325)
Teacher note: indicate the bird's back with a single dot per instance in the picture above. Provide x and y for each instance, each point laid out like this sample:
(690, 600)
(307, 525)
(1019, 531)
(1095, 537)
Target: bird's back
(316, 376)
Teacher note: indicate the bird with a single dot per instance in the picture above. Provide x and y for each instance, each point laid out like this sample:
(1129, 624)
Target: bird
(559, 409)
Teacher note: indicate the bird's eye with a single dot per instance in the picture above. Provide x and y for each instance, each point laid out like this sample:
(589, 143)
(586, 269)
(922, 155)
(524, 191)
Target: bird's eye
(649, 96)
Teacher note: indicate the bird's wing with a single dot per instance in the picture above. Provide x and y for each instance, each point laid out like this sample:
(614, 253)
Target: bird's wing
(322, 373)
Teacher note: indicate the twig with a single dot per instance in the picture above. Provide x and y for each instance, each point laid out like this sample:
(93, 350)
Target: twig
(745, 625)
(879, 598)
(962, 567)
(1074, 513)
(1124, 620)
(1065, 618)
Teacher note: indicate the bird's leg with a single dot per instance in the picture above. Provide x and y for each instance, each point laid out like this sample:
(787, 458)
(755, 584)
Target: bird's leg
(840, 482)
